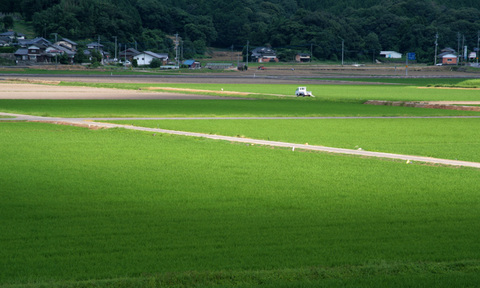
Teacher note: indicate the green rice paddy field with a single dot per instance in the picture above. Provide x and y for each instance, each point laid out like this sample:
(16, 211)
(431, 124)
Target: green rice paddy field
(457, 138)
(416, 90)
(118, 208)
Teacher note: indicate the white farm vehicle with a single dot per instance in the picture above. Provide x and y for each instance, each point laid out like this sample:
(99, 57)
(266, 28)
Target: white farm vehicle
(302, 91)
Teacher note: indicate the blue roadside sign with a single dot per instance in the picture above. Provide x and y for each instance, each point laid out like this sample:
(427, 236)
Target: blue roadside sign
(411, 56)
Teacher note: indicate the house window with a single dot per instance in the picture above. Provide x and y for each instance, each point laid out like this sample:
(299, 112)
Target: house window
(449, 60)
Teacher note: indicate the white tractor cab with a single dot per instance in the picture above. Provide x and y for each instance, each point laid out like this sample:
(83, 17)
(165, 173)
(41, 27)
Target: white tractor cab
(302, 91)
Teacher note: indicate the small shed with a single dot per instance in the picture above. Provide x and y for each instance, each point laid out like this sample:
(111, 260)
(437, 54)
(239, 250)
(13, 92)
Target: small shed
(391, 54)
(449, 59)
(302, 57)
(192, 64)
(147, 57)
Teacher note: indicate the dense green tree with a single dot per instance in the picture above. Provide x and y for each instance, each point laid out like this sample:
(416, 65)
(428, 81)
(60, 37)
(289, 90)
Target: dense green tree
(7, 22)
(80, 57)
(365, 26)
(63, 59)
(156, 63)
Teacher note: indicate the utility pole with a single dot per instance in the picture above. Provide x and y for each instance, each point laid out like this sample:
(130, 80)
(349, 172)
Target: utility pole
(247, 52)
(56, 52)
(343, 48)
(458, 48)
(463, 48)
(115, 47)
(311, 52)
(406, 65)
(231, 54)
(436, 45)
(176, 49)
(98, 49)
(478, 40)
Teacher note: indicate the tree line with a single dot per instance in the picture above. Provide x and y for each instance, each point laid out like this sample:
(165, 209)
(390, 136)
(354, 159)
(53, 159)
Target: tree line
(364, 26)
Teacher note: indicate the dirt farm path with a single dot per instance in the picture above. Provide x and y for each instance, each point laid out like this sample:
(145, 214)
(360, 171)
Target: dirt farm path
(293, 146)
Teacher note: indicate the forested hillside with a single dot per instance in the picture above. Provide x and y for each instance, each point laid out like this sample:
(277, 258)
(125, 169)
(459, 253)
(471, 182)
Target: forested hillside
(287, 25)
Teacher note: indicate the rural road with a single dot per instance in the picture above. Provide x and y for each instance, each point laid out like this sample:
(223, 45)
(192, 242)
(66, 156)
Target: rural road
(88, 122)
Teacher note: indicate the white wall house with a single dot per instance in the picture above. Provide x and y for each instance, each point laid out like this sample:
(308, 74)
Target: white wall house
(145, 58)
(391, 54)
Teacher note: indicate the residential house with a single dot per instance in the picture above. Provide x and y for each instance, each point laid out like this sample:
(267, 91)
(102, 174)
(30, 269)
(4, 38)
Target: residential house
(33, 54)
(39, 41)
(40, 50)
(449, 59)
(36, 53)
(128, 54)
(57, 50)
(95, 46)
(302, 57)
(446, 51)
(32, 50)
(391, 54)
(145, 58)
(67, 43)
(264, 54)
(12, 35)
(22, 54)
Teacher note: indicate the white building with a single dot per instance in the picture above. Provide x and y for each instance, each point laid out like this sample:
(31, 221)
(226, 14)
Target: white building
(391, 54)
(145, 58)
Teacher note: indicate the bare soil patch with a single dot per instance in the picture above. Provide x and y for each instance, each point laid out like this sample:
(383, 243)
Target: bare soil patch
(448, 105)
(197, 90)
(11, 90)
